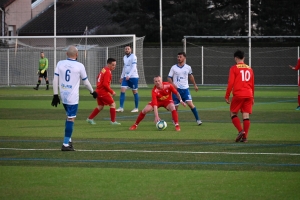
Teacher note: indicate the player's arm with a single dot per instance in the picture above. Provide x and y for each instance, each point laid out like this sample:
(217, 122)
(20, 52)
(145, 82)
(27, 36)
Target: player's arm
(174, 91)
(297, 67)
(155, 109)
(106, 81)
(55, 99)
(229, 85)
(170, 80)
(192, 79)
(123, 73)
(46, 64)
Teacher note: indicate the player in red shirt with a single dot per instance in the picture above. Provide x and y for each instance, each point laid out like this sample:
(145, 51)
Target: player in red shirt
(297, 68)
(161, 97)
(241, 84)
(105, 93)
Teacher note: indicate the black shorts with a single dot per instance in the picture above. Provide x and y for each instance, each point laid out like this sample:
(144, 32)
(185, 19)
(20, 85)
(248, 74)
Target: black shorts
(44, 75)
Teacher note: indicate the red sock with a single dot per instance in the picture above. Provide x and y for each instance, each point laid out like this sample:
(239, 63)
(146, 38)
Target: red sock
(140, 118)
(112, 114)
(175, 116)
(298, 100)
(237, 123)
(246, 124)
(94, 113)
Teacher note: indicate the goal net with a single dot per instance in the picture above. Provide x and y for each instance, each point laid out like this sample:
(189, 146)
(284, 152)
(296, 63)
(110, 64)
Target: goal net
(269, 57)
(19, 56)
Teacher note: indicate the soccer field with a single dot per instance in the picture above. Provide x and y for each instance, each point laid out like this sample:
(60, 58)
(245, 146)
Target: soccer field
(111, 162)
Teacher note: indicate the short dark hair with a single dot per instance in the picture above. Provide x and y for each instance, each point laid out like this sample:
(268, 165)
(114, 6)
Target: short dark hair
(110, 60)
(182, 53)
(240, 54)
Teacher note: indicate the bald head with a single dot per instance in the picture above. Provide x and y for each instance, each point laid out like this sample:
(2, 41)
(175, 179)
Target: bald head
(72, 52)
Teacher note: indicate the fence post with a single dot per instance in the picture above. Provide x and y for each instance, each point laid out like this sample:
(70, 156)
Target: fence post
(202, 66)
(7, 67)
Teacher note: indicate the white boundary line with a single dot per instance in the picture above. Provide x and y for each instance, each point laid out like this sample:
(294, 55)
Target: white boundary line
(148, 151)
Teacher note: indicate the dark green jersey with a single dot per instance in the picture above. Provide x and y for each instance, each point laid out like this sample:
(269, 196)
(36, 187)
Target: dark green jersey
(43, 64)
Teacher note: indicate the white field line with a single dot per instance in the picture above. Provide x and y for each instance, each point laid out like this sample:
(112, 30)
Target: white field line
(148, 151)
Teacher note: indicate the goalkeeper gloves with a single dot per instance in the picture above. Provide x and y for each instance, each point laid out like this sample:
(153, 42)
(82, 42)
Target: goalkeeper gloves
(94, 94)
(55, 100)
(42, 71)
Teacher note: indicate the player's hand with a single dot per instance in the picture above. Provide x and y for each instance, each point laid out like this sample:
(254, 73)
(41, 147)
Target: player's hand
(55, 100)
(156, 119)
(182, 103)
(227, 100)
(291, 67)
(127, 78)
(94, 94)
(121, 80)
(196, 88)
(113, 94)
(42, 71)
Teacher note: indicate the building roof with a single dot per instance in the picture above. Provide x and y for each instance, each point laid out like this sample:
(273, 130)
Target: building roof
(5, 3)
(72, 18)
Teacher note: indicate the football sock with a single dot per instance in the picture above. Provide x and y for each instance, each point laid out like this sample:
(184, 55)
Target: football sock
(47, 84)
(94, 113)
(38, 84)
(237, 123)
(140, 118)
(194, 110)
(136, 100)
(298, 100)
(122, 99)
(246, 125)
(175, 116)
(68, 131)
(112, 114)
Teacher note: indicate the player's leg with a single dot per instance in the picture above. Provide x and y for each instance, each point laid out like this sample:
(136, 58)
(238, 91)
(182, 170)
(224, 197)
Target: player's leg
(124, 86)
(71, 111)
(133, 84)
(187, 98)
(46, 79)
(246, 110)
(112, 109)
(96, 111)
(235, 107)
(171, 107)
(38, 83)
(141, 116)
(298, 108)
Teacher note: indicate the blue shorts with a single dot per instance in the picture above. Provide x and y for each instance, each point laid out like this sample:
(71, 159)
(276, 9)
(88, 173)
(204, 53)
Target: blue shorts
(71, 110)
(132, 83)
(185, 95)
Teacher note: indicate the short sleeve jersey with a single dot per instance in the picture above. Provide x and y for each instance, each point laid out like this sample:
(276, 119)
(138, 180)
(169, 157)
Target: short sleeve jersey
(164, 94)
(103, 82)
(69, 73)
(240, 81)
(180, 75)
(130, 66)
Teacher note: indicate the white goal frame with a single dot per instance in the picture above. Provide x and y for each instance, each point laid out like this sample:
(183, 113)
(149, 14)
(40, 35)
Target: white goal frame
(54, 45)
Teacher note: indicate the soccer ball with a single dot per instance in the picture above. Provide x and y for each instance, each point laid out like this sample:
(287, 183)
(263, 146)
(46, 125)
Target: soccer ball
(161, 125)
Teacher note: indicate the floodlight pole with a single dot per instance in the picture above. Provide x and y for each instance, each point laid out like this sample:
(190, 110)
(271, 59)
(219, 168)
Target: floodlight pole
(54, 59)
(161, 48)
(249, 31)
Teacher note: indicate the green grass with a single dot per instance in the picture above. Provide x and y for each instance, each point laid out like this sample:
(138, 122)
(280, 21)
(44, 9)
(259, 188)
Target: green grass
(111, 162)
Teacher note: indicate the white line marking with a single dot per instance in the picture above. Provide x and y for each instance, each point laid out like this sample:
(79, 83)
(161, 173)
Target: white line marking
(148, 151)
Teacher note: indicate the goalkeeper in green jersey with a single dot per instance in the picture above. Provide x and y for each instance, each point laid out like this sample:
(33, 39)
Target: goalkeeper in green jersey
(42, 72)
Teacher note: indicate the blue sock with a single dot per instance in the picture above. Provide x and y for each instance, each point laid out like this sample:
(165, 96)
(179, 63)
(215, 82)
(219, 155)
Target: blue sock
(122, 99)
(195, 112)
(136, 100)
(68, 131)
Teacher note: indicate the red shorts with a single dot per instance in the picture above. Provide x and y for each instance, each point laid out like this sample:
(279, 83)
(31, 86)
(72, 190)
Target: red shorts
(161, 103)
(241, 104)
(105, 100)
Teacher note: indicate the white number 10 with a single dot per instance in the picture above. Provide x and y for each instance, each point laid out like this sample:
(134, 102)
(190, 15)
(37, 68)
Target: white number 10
(245, 75)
